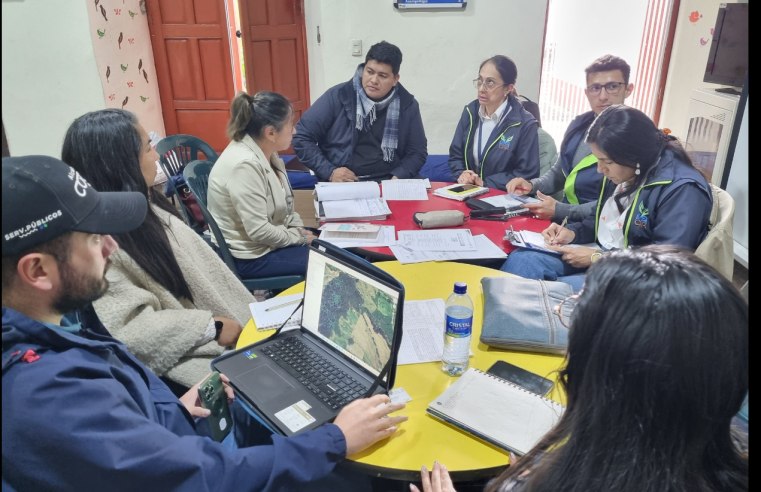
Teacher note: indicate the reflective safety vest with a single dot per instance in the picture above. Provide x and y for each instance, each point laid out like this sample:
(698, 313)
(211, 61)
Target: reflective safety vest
(570, 180)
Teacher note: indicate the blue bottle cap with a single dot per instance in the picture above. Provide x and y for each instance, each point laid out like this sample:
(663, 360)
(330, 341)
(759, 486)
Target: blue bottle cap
(460, 288)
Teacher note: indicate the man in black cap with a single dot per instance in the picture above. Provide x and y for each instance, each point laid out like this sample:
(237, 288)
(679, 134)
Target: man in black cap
(82, 413)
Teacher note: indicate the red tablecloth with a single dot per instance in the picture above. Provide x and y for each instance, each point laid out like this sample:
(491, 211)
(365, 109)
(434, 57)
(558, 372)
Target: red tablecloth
(402, 211)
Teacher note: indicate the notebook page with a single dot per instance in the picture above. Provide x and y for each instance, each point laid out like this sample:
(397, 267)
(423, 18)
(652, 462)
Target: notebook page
(280, 309)
(498, 409)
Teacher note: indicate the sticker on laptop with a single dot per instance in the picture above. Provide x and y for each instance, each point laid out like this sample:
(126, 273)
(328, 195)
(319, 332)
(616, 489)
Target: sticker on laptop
(295, 417)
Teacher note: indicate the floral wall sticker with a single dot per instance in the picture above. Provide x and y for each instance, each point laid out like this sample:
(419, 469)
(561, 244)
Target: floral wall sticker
(124, 41)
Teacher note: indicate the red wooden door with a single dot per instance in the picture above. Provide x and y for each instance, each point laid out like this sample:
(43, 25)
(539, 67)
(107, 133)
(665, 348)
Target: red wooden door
(274, 50)
(191, 48)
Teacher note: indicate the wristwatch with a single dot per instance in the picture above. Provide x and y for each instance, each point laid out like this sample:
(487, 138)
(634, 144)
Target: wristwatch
(596, 255)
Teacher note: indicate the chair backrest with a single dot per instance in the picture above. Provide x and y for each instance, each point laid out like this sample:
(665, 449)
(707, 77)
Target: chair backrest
(532, 108)
(176, 151)
(717, 249)
(195, 186)
(197, 176)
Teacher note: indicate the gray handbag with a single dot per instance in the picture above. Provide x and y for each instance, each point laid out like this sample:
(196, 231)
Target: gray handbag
(519, 314)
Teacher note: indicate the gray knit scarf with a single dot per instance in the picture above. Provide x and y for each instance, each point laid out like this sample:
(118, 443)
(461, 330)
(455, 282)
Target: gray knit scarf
(366, 114)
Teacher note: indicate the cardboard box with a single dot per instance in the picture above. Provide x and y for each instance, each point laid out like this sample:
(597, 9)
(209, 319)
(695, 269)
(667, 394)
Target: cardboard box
(303, 204)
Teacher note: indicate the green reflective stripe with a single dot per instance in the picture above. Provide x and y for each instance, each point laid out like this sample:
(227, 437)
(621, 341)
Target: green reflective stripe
(599, 205)
(467, 141)
(633, 207)
(570, 182)
(492, 145)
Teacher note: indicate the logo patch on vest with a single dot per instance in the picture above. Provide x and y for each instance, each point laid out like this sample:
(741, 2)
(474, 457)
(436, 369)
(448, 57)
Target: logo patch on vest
(504, 143)
(640, 220)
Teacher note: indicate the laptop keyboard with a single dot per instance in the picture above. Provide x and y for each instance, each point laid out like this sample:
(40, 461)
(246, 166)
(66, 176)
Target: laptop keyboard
(328, 382)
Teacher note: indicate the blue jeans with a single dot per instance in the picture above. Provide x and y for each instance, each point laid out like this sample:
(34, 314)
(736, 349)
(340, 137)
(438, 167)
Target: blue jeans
(543, 266)
(285, 261)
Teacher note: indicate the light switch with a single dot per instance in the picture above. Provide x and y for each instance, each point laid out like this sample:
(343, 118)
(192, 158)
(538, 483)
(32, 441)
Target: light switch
(356, 47)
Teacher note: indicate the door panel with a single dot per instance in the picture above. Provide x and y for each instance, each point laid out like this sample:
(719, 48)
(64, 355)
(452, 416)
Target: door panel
(191, 47)
(274, 50)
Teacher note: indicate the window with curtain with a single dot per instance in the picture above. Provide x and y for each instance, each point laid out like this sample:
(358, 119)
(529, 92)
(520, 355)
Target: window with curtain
(580, 31)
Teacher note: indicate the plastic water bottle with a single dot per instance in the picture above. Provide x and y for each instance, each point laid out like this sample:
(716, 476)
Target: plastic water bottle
(459, 329)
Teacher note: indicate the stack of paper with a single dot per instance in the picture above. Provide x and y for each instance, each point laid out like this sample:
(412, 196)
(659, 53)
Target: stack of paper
(350, 232)
(485, 249)
(405, 189)
(349, 210)
(534, 240)
(386, 237)
(349, 201)
(272, 313)
(460, 192)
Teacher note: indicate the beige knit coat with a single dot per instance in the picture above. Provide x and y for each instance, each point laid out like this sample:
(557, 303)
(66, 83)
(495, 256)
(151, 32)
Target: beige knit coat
(160, 329)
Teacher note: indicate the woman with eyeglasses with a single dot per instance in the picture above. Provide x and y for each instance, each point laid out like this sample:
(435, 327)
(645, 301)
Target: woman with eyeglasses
(650, 194)
(170, 299)
(496, 139)
(656, 369)
(249, 194)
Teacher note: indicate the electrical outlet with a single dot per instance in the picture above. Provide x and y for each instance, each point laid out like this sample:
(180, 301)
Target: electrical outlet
(356, 47)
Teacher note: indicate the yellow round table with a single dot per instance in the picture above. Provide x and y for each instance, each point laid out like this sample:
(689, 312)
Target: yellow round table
(422, 439)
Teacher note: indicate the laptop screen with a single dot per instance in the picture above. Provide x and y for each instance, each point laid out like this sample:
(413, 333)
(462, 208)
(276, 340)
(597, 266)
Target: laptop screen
(349, 311)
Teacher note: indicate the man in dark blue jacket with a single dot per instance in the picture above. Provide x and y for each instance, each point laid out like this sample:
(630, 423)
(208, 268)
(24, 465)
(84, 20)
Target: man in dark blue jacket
(80, 412)
(368, 128)
(575, 171)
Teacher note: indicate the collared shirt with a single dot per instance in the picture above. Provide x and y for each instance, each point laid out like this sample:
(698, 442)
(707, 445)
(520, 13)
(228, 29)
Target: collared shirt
(610, 229)
(69, 323)
(488, 123)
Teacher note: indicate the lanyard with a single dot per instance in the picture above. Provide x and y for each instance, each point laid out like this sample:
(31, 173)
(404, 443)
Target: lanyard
(480, 147)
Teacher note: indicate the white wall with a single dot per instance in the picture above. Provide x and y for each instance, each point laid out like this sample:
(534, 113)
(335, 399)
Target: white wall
(49, 73)
(688, 62)
(442, 50)
(737, 187)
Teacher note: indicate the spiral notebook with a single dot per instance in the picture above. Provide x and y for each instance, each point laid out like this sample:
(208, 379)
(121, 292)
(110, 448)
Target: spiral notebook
(496, 411)
(272, 313)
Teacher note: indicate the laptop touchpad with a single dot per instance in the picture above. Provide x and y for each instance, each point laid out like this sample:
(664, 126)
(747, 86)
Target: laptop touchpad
(263, 383)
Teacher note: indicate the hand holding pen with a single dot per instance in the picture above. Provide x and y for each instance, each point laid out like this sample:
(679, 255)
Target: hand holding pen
(559, 230)
(557, 235)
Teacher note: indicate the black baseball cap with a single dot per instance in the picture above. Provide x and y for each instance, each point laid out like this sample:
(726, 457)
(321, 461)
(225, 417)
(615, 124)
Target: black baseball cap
(44, 198)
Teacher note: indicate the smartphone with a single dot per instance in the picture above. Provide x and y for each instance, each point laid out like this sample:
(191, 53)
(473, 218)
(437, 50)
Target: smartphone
(463, 188)
(532, 382)
(212, 394)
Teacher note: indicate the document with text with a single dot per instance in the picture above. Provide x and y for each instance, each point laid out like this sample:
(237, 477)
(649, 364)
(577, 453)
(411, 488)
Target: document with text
(438, 240)
(404, 189)
(422, 332)
(485, 249)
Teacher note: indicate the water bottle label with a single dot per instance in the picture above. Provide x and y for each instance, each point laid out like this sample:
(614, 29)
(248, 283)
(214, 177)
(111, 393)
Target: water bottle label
(459, 327)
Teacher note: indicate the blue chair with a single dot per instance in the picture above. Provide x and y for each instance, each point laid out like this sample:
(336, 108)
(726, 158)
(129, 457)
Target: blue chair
(197, 176)
(175, 152)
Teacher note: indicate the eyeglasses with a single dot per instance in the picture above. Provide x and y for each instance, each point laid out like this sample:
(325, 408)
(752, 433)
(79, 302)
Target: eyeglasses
(612, 88)
(489, 85)
(565, 309)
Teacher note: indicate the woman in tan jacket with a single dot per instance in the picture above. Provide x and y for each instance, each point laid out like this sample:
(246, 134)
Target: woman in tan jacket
(170, 300)
(249, 193)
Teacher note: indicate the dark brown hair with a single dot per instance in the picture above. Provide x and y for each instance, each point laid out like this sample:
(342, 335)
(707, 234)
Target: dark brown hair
(606, 63)
(507, 69)
(250, 115)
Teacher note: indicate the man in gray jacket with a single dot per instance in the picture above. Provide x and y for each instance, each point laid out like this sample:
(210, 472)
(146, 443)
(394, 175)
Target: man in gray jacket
(575, 171)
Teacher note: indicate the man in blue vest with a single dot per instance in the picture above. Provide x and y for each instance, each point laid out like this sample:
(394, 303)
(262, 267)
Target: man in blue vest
(368, 128)
(575, 171)
(80, 412)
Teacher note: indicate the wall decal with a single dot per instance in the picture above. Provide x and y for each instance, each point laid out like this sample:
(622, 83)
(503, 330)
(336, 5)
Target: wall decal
(127, 43)
(703, 42)
(695, 16)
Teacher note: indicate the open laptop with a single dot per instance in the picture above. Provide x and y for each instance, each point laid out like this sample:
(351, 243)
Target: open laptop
(345, 348)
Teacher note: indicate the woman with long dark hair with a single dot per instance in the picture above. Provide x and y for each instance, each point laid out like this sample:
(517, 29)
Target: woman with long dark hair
(171, 300)
(650, 194)
(250, 195)
(496, 139)
(656, 368)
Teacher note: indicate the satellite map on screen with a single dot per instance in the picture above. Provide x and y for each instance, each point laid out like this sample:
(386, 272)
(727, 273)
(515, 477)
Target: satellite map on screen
(357, 317)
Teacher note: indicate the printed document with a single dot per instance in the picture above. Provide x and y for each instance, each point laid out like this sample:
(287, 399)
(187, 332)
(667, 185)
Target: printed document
(386, 237)
(485, 248)
(404, 189)
(535, 240)
(345, 209)
(509, 200)
(346, 191)
(422, 332)
(438, 240)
